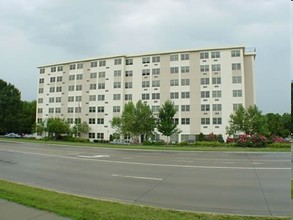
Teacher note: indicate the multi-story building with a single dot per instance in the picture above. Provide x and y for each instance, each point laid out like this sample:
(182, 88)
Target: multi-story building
(206, 86)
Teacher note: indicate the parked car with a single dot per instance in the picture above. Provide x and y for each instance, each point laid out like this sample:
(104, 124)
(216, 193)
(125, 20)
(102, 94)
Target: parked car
(12, 135)
(122, 142)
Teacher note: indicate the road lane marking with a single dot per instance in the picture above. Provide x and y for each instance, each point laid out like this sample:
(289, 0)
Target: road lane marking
(151, 164)
(138, 177)
(95, 156)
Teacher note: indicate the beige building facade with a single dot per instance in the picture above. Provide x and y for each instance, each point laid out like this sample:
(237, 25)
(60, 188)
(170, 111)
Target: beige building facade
(206, 86)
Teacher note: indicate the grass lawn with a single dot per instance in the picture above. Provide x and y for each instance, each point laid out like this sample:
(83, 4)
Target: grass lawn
(84, 208)
(287, 148)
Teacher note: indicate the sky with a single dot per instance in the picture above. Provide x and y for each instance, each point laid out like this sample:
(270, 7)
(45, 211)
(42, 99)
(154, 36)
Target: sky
(39, 32)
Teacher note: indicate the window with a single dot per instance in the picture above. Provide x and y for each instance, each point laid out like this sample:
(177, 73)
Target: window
(174, 70)
(205, 81)
(101, 109)
(94, 64)
(59, 78)
(185, 56)
(101, 86)
(185, 82)
(71, 88)
(236, 66)
(117, 73)
(79, 65)
(128, 97)
(145, 60)
(60, 68)
(155, 95)
(155, 108)
(204, 68)
(51, 99)
(71, 77)
(236, 106)
(117, 61)
(77, 109)
(102, 74)
(116, 108)
(58, 89)
(156, 71)
(216, 67)
(128, 85)
(78, 98)
(129, 61)
(205, 121)
(51, 110)
(145, 84)
(72, 66)
(92, 109)
(70, 120)
(53, 69)
(184, 69)
(205, 108)
(146, 72)
(117, 85)
(217, 121)
(237, 93)
(58, 110)
(93, 75)
(41, 80)
(100, 135)
(174, 95)
(174, 57)
(101, 97)
(52, 79)
(236, 79)
(70, 109)
(205, 94)
(40, 110)
(217, 107)
(79, 77)
(174, 82)
(40, 100)
(41, 90)
(215, 54)
(145, 96)
(235, 53)
(100, 121)
(102, 62)
(39, 120)
(52, 89)
(128, 73)
(156, 59)
(92, 135)
(185, 121)
(42, 71)
(185, 108)
(156, 83)
(92, 98)
(204, 55)
(185, 95)
(217, 94)
(116, 96)
(78, 87)
(92, 121)
(93, 86)
(216, 80)
(176, 121)
(58, 99)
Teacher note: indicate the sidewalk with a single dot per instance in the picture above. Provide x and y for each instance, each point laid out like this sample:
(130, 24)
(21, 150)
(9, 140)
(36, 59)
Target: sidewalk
(14, 211)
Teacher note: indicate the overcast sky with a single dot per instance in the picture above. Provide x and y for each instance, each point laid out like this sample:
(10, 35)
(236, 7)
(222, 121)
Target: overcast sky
(38, 32)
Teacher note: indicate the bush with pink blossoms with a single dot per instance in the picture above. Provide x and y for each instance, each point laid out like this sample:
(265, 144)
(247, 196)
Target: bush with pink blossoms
(251, 140)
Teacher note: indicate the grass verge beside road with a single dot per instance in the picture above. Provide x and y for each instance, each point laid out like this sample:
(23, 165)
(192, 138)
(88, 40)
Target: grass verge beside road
(77, 207)
(161, 147)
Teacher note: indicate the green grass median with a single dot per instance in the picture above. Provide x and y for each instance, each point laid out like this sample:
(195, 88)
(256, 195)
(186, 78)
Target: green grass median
(76, 207)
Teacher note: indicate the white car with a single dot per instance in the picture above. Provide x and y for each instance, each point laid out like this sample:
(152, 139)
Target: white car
(12, 135)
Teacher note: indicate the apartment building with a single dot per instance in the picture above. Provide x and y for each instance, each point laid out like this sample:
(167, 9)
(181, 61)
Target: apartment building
(206, 86)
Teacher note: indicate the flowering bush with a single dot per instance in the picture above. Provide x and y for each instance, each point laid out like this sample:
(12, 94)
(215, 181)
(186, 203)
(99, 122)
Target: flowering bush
(251, 140)
(277, 139)
(230, 140)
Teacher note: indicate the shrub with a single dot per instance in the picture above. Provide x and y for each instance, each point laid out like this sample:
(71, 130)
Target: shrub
(230, 140)
(280, 145)
(147, 143)
(251, 140)
(201, 137)
(183, 143)
(211, 137)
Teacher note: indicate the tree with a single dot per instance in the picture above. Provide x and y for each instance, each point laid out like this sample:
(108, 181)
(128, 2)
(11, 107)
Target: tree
(279, 125)
(57, 126)
(248, 121)
(166, 124)
(27, 116)
(10, 108)
(79, 128)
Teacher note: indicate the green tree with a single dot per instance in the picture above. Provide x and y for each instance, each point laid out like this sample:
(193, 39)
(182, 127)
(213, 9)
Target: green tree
(10, 108)
(279, 125)
(57, 126)
(249, 121)
(165, 122)
(27, 116)
(80, 128)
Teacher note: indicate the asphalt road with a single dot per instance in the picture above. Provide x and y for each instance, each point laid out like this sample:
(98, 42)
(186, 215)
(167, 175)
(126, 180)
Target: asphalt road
(219, 182)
